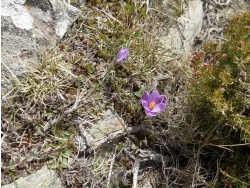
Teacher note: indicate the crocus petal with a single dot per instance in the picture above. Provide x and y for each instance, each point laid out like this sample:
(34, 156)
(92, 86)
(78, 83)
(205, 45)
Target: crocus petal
(149, 113)
(154, 95)
(144, 99)
(159, 107)
(122, 55)
(158, 101)
(160, 104)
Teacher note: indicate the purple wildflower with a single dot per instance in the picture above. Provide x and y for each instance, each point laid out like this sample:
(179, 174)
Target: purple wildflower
(122, 55)
(153, 103)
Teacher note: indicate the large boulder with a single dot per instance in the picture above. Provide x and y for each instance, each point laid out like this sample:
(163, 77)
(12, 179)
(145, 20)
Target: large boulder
(28, 26)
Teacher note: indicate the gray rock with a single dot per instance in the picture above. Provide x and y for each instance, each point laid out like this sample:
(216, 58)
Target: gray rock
(29, 26)
(181, 36)
(202, 20)
(43, 178)
(102, 135)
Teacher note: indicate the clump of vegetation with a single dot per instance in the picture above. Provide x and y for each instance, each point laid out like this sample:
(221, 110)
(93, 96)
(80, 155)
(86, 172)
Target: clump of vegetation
(221, 78)
(38, 100)
(220, 93)
(121, 24)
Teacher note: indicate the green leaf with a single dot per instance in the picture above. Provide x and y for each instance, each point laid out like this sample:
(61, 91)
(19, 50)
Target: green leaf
(140, 92)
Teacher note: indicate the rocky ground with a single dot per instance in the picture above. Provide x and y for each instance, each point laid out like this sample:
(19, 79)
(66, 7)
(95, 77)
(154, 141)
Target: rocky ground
(83, 119)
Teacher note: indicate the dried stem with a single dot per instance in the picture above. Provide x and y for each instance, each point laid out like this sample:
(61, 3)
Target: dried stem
(65, 113)
(135, 172)
(111, 167)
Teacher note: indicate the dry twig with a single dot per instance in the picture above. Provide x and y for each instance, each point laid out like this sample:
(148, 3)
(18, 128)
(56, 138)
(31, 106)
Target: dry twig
(135, 172)
(65, 113)
(111, 167)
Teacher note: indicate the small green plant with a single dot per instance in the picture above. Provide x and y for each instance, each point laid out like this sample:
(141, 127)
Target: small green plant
(60, 146)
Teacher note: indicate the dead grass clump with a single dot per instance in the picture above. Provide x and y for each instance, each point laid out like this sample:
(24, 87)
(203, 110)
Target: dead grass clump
(40, 114)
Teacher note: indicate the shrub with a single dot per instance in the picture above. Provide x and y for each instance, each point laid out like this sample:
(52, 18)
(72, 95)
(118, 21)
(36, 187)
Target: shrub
(221, 83)
(220, 93)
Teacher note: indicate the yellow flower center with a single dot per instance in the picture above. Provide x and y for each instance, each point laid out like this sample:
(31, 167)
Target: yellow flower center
(151, 105)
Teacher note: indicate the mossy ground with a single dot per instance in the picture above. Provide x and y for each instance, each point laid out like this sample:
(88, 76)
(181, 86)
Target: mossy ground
(80, 77)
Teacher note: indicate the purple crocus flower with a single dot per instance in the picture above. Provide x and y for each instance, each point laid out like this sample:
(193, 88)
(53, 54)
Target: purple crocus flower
(122, 55)
(153, 103)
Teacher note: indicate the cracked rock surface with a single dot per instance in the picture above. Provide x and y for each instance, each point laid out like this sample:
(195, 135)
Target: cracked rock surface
(28, 27)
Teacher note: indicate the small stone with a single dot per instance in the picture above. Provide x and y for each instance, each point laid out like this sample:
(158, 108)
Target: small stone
(104, 134)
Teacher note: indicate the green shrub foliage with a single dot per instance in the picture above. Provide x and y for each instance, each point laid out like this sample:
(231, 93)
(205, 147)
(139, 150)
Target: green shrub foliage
(221, 79)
